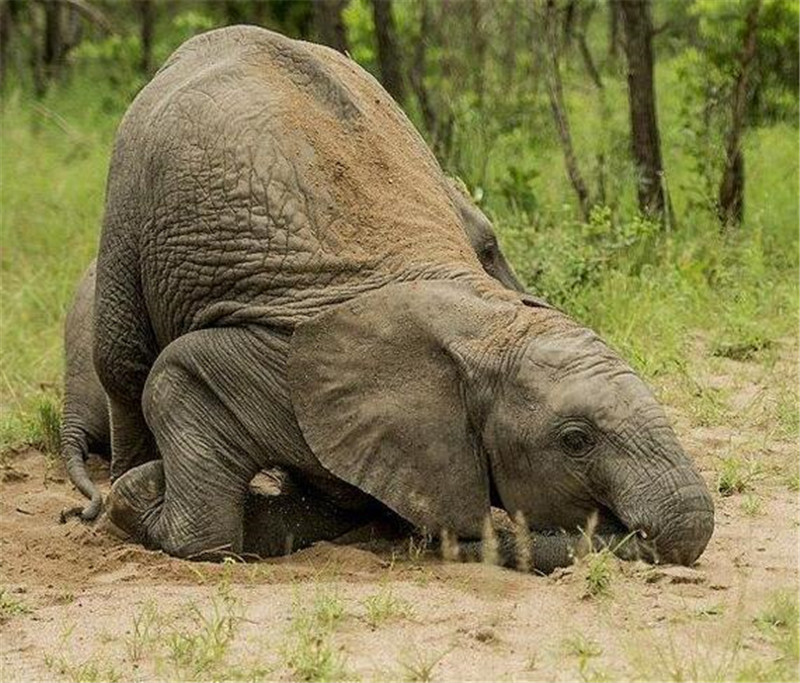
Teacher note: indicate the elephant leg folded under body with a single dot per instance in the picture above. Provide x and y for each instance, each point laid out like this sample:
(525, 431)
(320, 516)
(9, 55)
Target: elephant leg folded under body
(216, 403)
(275, 523)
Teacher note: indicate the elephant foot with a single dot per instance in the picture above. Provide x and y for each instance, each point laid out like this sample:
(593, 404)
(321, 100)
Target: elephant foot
(135, 501)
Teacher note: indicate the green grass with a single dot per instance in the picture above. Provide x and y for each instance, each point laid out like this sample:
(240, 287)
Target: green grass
(191, 642)
(309, 651)
(89, 670)
(418, 666)
(384, 606)
(691, 656)
(584, 650)
(752, 505)
(736, 475)
(11, 606)
(599, 573)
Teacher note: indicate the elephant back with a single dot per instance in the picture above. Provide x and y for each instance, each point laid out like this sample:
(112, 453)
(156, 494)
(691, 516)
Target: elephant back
(265, 179)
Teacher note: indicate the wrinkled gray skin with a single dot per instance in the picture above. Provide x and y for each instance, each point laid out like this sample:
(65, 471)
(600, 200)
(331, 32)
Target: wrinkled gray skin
(284, 281)
(85, 427)
(84, 422)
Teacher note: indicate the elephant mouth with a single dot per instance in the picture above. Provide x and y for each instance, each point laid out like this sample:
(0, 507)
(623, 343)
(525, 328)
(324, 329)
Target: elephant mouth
(609, 524)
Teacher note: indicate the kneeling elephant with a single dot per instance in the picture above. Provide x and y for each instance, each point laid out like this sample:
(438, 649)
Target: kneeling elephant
(284, 281)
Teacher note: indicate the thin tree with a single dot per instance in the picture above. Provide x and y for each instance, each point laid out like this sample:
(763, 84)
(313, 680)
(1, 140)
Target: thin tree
(438, 122)
(613, 27)
(479, 43)
(5, 37)
(147, 16)
(645, 139)
(53, 52)
(555, 93)
(389, 59)
(584, 14)
(731, 188)
(331, 29)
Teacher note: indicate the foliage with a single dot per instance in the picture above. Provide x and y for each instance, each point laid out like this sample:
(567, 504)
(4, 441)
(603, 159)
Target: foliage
(736, 475)
(721, 28)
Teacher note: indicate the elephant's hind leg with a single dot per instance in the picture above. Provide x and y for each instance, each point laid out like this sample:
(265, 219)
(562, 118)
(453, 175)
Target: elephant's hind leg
(136, 499)
(124, 350)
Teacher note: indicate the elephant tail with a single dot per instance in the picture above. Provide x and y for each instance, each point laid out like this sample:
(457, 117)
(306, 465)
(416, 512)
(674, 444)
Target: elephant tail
(74, 450)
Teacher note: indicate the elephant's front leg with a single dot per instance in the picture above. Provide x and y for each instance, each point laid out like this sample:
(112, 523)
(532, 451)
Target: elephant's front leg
(191, 504)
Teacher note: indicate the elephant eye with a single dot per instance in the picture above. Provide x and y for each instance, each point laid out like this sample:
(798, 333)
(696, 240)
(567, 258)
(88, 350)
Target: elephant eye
(577, 440)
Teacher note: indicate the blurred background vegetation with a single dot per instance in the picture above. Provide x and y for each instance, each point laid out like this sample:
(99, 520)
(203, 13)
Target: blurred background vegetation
(639, 159)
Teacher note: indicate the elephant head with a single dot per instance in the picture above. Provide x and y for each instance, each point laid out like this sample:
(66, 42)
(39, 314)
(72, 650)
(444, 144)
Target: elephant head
(439, 402)
(482, 238)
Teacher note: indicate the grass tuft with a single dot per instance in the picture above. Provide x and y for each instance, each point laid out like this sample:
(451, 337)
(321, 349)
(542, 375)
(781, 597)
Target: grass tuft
(11, 606)
(309, 652)
(419, 666)
(384, 606)
(736, 475)
(599, 573)
(751, 505)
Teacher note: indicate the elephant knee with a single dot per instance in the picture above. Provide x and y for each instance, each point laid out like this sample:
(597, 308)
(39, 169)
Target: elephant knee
(135, 501)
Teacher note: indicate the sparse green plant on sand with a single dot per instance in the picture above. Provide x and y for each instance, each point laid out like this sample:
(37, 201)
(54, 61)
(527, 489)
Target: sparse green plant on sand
(309, 651)
(736, 475)
(197, 644)
(11, 606)
(385, 605)
(144, 632)
(599, 572)
(584, 650)
(418, 666)
(751, 505)
(89, 670)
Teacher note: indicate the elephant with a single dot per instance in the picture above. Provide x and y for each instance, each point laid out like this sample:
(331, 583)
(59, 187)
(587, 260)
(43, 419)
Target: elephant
(84, 424)
(84, 420)
(283, 280)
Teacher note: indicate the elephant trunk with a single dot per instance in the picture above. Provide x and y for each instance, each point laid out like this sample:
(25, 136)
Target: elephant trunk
(673, 515)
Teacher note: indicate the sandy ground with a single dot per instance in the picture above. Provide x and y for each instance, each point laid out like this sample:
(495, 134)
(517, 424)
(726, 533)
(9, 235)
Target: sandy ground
(80, 604)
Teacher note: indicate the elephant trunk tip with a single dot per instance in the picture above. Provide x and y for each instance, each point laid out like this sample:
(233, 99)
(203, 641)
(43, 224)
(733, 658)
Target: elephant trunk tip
(683, 540)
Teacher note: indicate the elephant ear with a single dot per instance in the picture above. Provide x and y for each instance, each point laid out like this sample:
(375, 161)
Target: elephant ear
(381, 402)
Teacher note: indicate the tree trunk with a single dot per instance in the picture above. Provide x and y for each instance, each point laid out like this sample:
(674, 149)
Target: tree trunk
(479, 44)
(439, 127)
(147, 14)
(582, 22)
(5, 36)
(417, 72)
(388, 52)
(509, 40)
(731, 188)
(613, 28)
(555, 93)
(331, 29)
(53, 52)
(233, 12)
(645, 138)
(37, 50)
